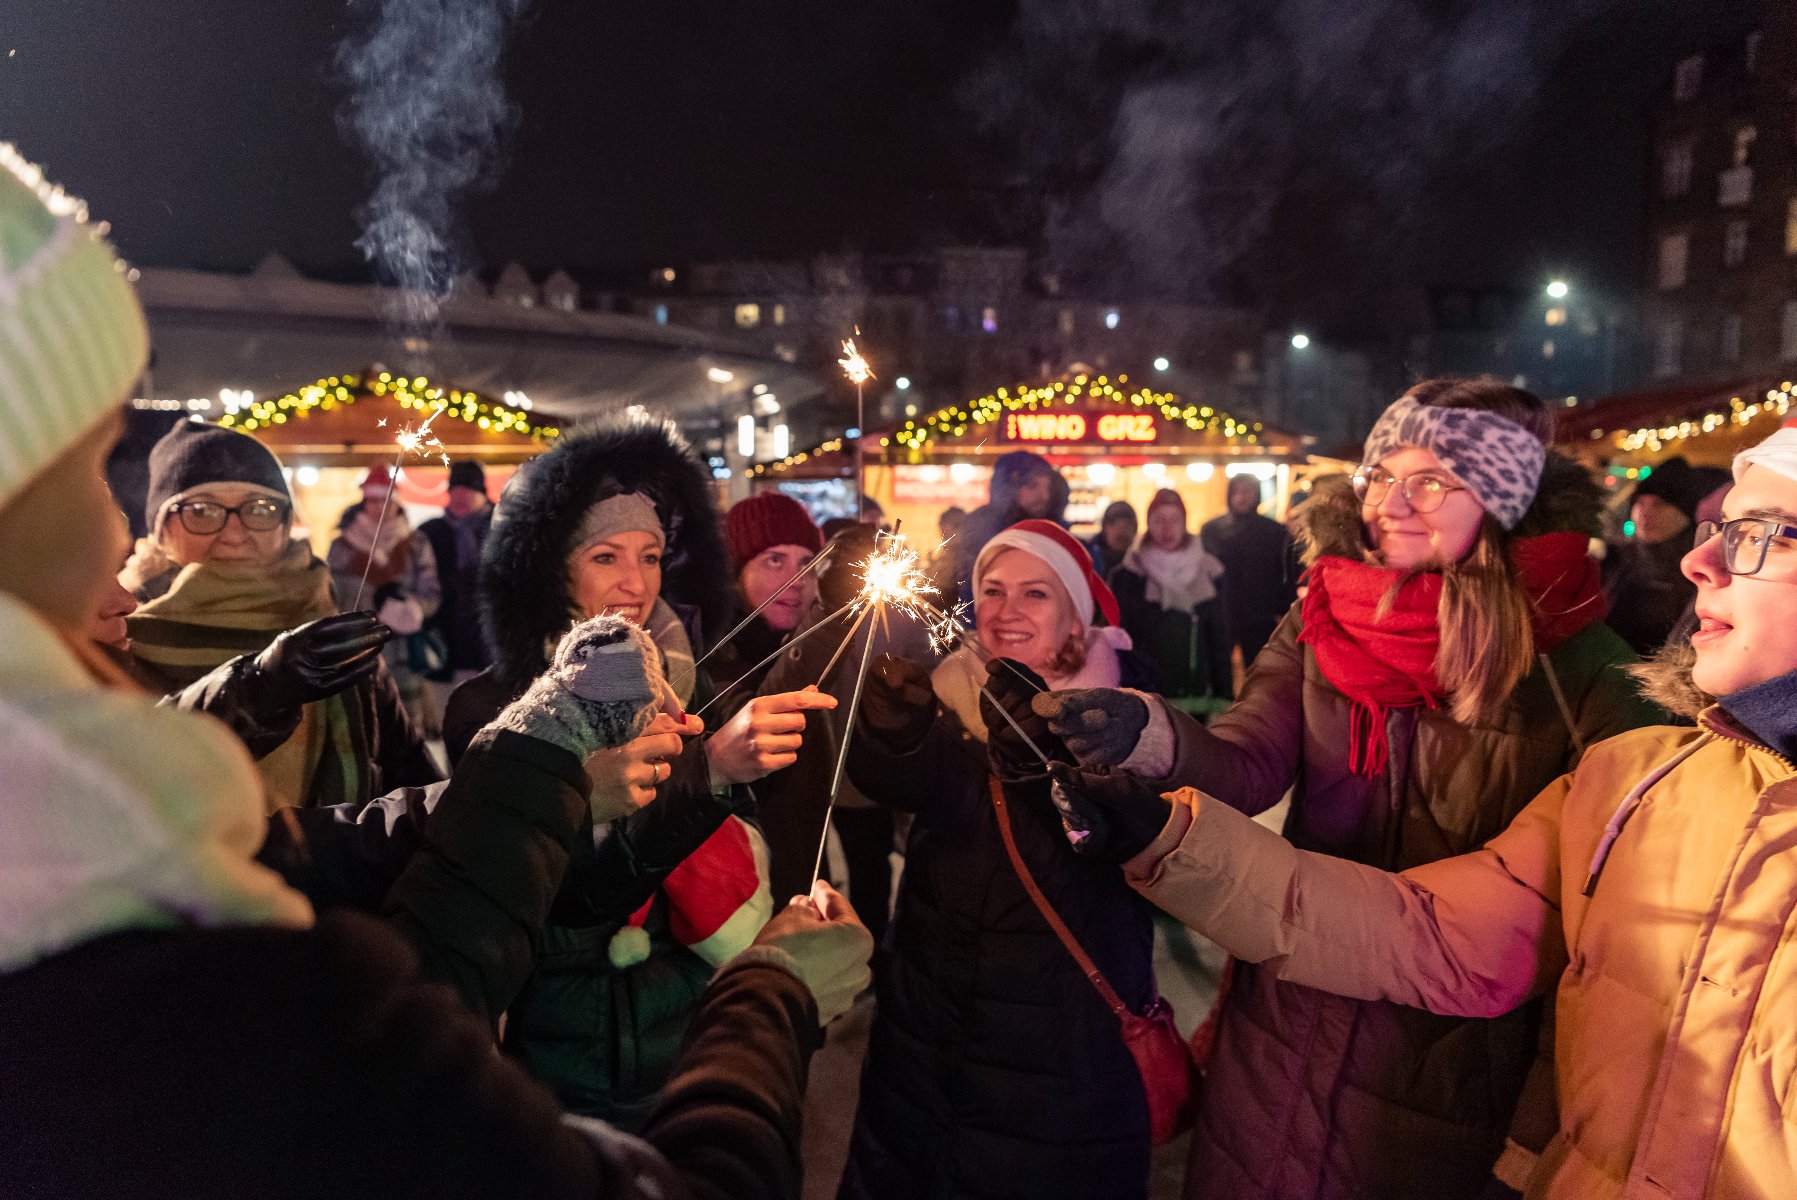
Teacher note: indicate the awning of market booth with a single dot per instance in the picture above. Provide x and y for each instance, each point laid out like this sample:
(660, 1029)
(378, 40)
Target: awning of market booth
(1706, 424)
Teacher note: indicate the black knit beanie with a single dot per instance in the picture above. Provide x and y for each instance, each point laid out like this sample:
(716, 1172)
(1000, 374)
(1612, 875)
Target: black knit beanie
(192, 455)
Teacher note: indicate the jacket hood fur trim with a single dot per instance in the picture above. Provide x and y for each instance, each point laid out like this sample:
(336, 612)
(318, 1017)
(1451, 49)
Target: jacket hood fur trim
(523, 570)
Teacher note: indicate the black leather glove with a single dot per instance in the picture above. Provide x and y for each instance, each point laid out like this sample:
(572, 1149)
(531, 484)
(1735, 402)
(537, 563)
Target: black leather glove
(318, 660)
(1111, 816)
(897, 703)
(1010, 686)
(1101, 726)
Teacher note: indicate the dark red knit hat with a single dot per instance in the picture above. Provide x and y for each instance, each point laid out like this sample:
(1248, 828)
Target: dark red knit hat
(768, 519)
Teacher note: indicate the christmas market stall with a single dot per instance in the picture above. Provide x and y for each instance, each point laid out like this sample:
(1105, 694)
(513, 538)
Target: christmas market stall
(330, 432)
(1110, 439)
(1624, 437)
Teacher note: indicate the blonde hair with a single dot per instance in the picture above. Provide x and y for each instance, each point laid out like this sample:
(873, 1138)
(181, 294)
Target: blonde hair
(1487, 634)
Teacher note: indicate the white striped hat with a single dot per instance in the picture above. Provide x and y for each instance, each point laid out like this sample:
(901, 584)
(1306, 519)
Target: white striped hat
(72, 335)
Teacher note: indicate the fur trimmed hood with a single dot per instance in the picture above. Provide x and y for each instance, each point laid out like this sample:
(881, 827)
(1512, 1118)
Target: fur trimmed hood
(1665, 678)
(1569, 500)
(523, 569)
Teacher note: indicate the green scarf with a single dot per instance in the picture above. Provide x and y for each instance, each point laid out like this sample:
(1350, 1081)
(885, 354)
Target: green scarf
(205, 614)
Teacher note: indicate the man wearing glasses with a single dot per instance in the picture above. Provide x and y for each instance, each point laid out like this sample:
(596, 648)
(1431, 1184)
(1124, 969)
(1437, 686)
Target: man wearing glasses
(1655, 887)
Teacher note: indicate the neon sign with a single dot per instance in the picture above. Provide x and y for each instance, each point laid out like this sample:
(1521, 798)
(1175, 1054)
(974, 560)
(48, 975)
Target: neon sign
(1078, 427)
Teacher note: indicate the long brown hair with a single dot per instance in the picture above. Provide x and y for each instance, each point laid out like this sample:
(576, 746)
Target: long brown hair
(1487, 642)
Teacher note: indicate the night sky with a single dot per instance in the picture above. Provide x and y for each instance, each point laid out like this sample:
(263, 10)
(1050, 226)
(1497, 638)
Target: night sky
(1449, 141)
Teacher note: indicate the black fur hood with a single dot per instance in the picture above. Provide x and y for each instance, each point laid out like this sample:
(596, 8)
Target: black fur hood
(1568, 501)
(523, 569)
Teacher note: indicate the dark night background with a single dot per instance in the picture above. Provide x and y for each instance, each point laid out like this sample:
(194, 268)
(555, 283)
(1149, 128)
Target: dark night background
(1314, 156)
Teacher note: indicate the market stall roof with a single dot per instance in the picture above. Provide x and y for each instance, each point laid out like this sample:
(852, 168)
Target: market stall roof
(273, 330)
(1705, 422)
(1076, 416)
(356, 418)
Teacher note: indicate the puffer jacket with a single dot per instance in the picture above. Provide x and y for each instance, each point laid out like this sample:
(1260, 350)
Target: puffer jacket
(993, 1070)
(1370, 1099)
(604, 1036)
(1675, 1053)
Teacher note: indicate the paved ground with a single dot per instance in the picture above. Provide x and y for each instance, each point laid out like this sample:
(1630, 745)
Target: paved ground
(1186, 967)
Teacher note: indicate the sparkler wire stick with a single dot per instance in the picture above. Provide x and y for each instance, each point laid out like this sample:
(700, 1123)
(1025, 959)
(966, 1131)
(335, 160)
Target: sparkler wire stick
(842, 757)
(847, 640)
(374, 542)
(816, 561)
(781, 649)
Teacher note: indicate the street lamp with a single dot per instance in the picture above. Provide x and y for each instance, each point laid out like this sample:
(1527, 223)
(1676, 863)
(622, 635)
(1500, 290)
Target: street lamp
(1558, 290)
(1300, 341)
(1161, 363)
(902, 383)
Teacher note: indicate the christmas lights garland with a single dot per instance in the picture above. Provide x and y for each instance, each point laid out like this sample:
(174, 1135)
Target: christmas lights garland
(418, 393)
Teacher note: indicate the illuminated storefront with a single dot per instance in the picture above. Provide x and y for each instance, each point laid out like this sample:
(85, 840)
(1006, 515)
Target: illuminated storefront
(1110, 439)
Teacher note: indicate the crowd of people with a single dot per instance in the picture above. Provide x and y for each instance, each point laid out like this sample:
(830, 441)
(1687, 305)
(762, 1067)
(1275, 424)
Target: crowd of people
(1519, 934)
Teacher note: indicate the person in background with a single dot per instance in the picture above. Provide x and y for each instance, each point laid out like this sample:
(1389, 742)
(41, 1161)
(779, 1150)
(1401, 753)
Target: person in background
(771, 538)
(1449, 660)
(222, 582)
(1260, 568)
(178, 1022)
(1168, 587)
(1647, 593)
(1024, 486)
(396, 576)
(940, 559)
(455, 540)
(1116, 534)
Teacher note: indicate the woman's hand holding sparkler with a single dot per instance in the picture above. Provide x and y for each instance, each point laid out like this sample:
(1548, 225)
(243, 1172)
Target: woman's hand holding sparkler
(763, 736)
(1018, 742)
(625, 779)
(899, 706)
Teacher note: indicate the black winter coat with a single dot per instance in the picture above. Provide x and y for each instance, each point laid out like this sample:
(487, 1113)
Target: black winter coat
(993, 1069)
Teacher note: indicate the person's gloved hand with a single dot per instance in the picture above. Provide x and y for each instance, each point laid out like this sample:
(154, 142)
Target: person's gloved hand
(600, 691)
(1100, 726)
(319, 659)
(828, 944)
(1010, 687)
(897, 702)
(839, 580)
(1111, 816)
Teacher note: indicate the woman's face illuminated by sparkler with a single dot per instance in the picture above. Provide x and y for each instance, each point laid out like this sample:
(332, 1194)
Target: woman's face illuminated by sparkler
(1022, 611)
(620, 575)
(771, 572)
(233, 543)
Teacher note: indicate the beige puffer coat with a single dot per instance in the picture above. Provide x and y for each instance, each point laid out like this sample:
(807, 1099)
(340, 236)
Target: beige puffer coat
(1676, 1051)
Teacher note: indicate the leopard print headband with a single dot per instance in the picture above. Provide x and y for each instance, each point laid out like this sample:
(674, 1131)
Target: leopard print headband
(1498, 460)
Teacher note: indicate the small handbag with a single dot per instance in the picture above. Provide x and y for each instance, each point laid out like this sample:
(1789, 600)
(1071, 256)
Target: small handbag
(1164, 1060)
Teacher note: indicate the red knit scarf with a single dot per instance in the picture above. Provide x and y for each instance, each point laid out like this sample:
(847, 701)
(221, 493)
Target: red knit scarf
(1386, 661)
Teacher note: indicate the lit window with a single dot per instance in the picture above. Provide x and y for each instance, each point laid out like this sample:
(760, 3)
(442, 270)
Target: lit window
(1547, 349)
(779, 314)
(1675, 169)
(1729, 344)
(989, 320)
(1734, 187)
(748, 316)
(1556, 315)
(1674, 248)
(1734, 244)
(661, 314)
(1669, 347)
(1791, 226)
(1787, 331)
(1744, 139)
(1687, 78)
(1753, 50)
(1066, 322)
(1112, 319)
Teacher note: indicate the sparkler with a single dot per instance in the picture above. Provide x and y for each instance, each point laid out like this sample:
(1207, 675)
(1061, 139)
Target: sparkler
(854, 365)
(419, 440)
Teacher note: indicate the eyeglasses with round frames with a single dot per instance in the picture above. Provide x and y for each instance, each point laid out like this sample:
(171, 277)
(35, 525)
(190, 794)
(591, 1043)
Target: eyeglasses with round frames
(1423, 492)
(258, 515)
(1746, 541)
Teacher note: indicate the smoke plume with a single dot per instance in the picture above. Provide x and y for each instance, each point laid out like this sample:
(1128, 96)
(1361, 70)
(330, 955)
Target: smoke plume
(428, 107)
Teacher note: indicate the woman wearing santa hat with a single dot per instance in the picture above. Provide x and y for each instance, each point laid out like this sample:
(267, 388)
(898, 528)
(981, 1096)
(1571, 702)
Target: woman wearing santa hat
(994, 1068)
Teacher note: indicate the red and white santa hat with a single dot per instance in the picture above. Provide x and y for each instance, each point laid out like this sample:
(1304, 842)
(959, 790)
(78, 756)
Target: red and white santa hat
(1070, 561)
(1776, 453)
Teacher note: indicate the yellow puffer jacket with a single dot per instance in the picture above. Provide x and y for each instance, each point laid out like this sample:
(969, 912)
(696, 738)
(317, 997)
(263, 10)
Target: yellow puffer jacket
(1676, 1051)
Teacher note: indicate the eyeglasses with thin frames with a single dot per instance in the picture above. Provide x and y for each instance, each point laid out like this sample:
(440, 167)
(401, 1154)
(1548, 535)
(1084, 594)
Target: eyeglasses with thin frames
(1424, 492)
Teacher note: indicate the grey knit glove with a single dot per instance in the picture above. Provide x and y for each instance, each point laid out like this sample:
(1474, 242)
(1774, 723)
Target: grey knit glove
(600, 691)
(1100, 726)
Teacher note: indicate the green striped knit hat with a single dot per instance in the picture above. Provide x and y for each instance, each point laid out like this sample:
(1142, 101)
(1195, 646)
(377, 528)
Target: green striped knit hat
(72, 336)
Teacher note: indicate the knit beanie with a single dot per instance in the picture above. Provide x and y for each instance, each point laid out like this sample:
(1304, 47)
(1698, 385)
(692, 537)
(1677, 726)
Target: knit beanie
(466, 473)
(1070, 562)
(768, 519)
(194, 455)
(1777, 453)
(72, 336)
(1680, 484)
